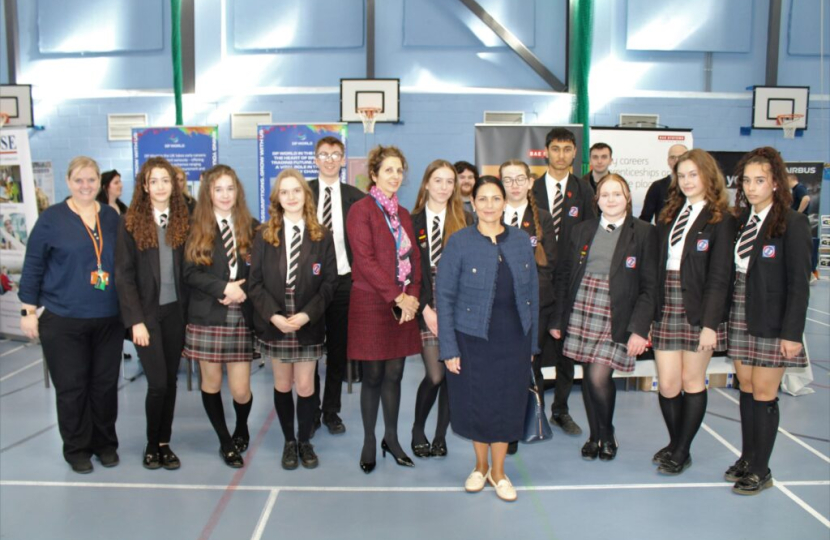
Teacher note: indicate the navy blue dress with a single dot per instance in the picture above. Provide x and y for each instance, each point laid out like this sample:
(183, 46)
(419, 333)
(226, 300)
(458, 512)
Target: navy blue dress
(488, 397)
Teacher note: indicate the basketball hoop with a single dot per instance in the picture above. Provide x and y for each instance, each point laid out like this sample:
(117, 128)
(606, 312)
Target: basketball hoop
(368, 115)
(4, 119)
(788, 123)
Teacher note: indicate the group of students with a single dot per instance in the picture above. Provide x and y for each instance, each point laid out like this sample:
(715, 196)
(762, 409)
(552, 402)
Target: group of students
(551, 270)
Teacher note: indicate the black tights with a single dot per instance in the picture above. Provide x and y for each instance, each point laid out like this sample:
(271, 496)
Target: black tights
(381, 384)
(433, 386)
(600, 395)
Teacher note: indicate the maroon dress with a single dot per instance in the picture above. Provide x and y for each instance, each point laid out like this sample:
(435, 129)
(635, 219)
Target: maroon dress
(374, 334)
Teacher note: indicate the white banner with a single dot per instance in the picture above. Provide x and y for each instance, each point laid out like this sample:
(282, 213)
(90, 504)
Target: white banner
(18, 212)
(640, 155)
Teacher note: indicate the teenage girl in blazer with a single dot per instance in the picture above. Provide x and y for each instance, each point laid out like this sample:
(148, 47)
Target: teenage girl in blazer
(606, 287)
(217, 259)
(769, 306)
(522, 211)
(696, 234)
(292, 281)
(152, 296)
(438, 214)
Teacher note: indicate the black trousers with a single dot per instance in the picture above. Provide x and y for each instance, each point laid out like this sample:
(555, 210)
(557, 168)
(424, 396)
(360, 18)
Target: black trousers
(564, 376)
(337, 331)
(160, 361)
(84, 357)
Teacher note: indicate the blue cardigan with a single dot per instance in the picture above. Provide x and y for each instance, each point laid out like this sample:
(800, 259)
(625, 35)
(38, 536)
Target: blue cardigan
(466, 285)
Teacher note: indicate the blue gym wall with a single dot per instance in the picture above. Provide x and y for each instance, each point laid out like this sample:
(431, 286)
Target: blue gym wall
(89, 58)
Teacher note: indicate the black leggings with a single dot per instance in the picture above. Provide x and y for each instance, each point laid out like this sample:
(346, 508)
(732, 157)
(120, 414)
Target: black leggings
(600, 395)
(381, 385)
(433, 386)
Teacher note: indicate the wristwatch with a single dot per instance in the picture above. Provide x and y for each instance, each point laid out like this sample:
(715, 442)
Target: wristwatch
(24, 312)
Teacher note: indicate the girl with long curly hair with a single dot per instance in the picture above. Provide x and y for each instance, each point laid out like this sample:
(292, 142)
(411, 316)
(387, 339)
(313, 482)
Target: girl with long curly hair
(769, 306)
(695, 268)
(152, 296)
(438, 214)
(292, 281)
(217, 261)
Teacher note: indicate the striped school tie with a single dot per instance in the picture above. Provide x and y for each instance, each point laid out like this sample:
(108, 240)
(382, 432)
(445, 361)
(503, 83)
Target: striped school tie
(748, 237)
(327, 209)
(293, 257)
(556, 210)
(514, 222)
(163, 221)
(610, 228)
(680, 226)
(227, 241)
(435, 242)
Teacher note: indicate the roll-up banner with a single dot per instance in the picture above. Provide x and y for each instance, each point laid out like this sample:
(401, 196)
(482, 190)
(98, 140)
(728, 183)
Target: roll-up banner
(18, 212)
(193, 148)
(640, 155)
(496, 144)
(291, 146)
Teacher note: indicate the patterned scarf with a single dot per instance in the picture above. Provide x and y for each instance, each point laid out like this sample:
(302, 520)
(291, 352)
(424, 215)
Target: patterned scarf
(403, 266)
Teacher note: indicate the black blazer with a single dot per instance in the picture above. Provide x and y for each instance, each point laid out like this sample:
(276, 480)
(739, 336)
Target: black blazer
(632, 281)
(313, 289)
(577, 207)
(547, 293)
(348, 196)
(138, 281)
(207, 285)
(706, 269)
(422, 231)
(778, 279)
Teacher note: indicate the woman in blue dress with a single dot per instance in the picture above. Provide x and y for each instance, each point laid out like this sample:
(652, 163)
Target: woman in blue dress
(488, 314)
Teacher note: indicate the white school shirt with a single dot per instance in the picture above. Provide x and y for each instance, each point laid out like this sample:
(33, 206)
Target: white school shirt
(337, 224)
(676, 251)
(741, 265)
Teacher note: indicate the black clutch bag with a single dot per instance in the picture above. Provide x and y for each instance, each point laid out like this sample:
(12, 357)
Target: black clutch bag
(537, 427)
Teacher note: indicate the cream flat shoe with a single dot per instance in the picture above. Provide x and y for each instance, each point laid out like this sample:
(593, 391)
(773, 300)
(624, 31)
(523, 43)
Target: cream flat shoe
(475, 482)
(504, 488)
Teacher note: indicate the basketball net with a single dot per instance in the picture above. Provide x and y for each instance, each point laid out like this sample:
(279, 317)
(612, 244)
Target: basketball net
(368, 115)
(788, 124)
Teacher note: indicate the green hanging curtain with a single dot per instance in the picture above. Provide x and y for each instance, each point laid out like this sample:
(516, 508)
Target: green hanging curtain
(582, 15)
(176, 42)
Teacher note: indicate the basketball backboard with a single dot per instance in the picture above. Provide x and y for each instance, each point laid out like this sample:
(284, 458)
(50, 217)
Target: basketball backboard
(383, 94)
(769, 102)
(16, 101)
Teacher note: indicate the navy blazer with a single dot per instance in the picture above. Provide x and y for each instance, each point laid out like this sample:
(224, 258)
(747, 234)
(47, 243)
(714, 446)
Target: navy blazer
(466, 285)
(706, 269)
(632, 281)
(577, 207)
(778, 279)
(348, 196)
(313, 288)
(207, 285)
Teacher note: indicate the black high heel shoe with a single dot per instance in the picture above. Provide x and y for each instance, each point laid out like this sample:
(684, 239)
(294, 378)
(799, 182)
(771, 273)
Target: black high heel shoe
(403, 461)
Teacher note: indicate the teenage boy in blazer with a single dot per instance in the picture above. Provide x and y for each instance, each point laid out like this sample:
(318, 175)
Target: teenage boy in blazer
(577, 205)
(329, 155)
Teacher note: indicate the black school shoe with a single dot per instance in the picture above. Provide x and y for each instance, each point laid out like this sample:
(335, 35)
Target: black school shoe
(152, 459)
(566, 422)
(590, 450)
(608, 450)
(662, 455)
(439, 448)
(289, 456)
(752, 484)
(169, 460)
(670, 467)
(232, 458)
(109, 458)
(82, 466)
(334, 423)
(307, 456)
(736, 471)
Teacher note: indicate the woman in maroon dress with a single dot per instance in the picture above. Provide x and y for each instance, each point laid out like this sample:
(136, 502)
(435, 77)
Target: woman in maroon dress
(384, 302)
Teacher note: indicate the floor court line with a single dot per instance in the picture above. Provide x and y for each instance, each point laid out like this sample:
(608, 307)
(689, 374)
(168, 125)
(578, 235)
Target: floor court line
(781, 430)
(818, 322)
(266, 515)
(818, 311)
(369, 489)
(10, 351)
(21, 370)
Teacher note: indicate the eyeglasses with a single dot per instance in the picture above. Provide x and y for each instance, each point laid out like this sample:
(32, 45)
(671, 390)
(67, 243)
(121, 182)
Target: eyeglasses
(518, 181)
(322, 156)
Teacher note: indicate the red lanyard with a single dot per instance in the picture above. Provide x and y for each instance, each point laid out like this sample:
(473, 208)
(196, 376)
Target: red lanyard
(99, 245)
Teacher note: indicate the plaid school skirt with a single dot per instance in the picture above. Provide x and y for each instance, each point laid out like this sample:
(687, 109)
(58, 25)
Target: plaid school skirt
(589, 328)
(673, 332)
(232, 342)
(288, 349)
(427, 337)
(751, 350)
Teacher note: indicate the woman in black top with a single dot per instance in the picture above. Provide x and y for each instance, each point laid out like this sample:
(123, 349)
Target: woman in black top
(606, 292)
(293, 275)
(438, 213)
(70, 259)
(769, 307)
(153, 298)
(217, 259)
(111, 188)
(696, 238)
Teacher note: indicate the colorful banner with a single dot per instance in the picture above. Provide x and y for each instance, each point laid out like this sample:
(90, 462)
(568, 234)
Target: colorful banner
(640, 155)
(194, 149)
(286, 146)
(496, 144)
(18, 213)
